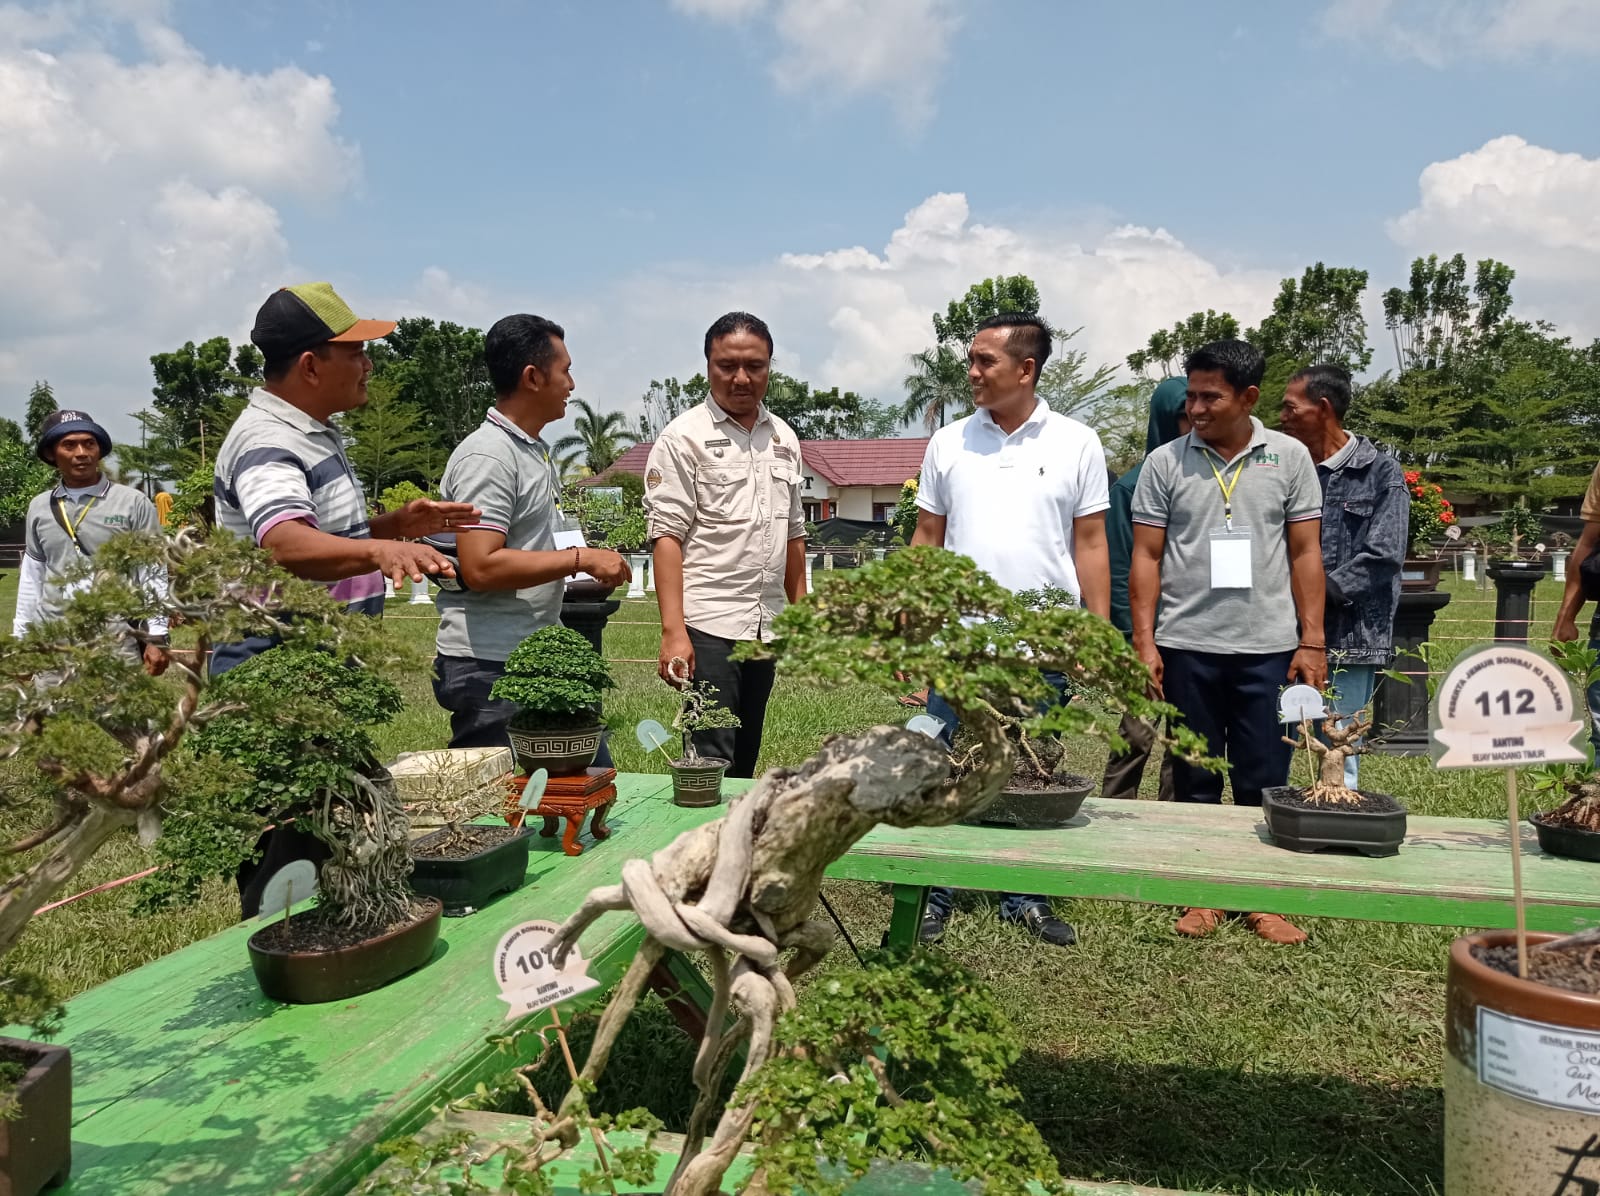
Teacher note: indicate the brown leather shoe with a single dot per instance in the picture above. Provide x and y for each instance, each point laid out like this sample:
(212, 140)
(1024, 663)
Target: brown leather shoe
(1196, 922)
(1275, 929)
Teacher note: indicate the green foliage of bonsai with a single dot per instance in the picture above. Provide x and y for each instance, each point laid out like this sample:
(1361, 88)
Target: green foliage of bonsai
(394, 497)
(557, 679)
(923, 1050)
(700, 712)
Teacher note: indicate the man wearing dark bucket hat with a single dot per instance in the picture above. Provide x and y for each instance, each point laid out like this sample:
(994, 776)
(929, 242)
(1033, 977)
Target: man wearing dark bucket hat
(67, 525)
(283, 481)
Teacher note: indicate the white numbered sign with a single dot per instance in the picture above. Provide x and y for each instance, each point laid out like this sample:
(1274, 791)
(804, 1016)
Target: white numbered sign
(527, 976)
(1298, 703)
(1506, 706)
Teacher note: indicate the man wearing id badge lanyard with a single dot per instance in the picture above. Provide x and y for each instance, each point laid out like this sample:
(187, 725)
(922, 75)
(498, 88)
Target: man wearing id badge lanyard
(513, 560)
(1226, 586)
(66, 525)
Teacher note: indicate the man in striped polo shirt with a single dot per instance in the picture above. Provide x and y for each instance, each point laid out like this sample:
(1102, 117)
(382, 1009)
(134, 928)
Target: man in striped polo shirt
(283, 481)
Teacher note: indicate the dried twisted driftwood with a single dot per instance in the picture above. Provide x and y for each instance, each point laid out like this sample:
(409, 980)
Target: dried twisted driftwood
(743, 890)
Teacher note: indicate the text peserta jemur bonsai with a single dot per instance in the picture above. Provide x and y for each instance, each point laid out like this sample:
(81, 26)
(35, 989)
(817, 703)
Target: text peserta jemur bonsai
(102, 736)
(744, 888)
(556, 677)
(311, 759)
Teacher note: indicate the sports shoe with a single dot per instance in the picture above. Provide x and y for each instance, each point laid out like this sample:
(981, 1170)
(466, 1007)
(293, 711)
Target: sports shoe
(1275, 929)
(1198, 922)
(1042, 924)
(932, 928)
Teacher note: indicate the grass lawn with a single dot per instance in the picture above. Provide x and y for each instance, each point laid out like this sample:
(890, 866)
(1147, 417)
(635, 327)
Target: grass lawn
(1223, 1064)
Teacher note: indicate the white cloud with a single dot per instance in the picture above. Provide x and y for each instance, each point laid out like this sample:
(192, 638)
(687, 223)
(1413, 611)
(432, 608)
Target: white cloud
(138, 193)
(1438, 31)
(850, 316)
(1534, 208)
(836, 48)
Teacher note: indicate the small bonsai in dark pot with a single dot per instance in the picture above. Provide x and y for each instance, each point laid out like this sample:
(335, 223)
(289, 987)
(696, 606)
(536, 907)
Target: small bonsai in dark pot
(697, 779)
(314, 761)
(1328, 813)
(556, 678)
(1040, 795)
(465, 863)
(1572, 829)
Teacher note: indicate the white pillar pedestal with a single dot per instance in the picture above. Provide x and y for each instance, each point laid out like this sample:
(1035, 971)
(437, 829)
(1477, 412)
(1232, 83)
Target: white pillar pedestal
(1560, 561)
(388, 588)
(419, 592)
(808, 573)
(636, 585)
(650, 576)
(1469, 566)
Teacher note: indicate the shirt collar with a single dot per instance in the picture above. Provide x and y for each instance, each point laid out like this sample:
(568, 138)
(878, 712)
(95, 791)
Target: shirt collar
(1258, 439)
(281, 409)
(1036, 417)
(100, 491)
(1344, 456)
(719, 416)
(500, 421)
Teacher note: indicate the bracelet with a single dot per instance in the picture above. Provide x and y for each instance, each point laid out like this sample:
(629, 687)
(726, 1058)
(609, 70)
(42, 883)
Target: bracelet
(576, 568)
(1316, 647)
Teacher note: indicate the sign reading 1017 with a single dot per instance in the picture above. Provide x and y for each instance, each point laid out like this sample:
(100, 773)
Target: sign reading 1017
(1505, 706)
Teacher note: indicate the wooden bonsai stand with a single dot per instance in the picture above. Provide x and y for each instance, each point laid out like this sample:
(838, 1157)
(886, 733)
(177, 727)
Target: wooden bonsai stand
(570, 798)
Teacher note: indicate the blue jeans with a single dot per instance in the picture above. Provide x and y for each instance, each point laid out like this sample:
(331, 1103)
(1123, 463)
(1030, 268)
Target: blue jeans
(1352, 686)
(940, 900)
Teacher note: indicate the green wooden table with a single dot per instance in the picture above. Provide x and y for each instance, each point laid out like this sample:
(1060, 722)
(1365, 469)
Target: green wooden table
(189, 1083)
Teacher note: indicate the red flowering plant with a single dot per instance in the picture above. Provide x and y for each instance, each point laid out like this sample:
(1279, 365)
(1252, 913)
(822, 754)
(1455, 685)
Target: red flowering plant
(1431, 513)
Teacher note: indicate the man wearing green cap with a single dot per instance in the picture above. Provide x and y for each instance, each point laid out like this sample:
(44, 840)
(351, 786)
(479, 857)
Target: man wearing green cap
(283, 480)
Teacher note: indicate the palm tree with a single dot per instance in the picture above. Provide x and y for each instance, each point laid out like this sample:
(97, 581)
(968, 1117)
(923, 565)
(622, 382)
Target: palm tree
(936, 387)
(597, 439)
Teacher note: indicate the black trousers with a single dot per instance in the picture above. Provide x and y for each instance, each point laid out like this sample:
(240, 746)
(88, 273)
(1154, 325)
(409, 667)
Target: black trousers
(743, 686)
(1125, 769)
(461, 685)
(1231, 699)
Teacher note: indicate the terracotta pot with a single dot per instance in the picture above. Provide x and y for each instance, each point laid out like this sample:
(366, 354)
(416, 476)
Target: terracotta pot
(1573, 842)
(1304, 828)
(312, 977)
(698, 784)
(1521, 1080)
(466, 883)
(36, 1144)
(1035, 809)
(1420, 574)
(563, 753)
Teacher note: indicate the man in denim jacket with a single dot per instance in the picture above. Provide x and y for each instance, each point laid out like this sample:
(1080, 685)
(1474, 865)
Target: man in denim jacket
(1366, 514)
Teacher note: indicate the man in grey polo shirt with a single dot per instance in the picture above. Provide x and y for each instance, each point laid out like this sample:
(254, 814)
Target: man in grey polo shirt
(510, 569)
(66, 525)
(1227, 543)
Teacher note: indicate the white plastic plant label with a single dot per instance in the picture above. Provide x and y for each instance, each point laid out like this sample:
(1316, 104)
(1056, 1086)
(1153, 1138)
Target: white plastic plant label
(533, 791)
(925, 724)
(1300, 702)
(1550, 1065)
(527, 975)
(651, 734)
(1505, 706)
(295, 881)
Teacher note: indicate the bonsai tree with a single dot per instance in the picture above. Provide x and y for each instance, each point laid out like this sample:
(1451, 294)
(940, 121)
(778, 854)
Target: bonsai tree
(1518, 523)
(297, 724)
(1336, 745)
(556, 677)
(743, 889)
(103, 738)
(699, 712)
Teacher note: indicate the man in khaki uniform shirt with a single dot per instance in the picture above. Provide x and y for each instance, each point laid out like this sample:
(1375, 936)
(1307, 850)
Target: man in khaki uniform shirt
(728, 534)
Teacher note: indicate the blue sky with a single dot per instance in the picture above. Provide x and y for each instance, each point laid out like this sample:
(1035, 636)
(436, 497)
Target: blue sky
(841, 166)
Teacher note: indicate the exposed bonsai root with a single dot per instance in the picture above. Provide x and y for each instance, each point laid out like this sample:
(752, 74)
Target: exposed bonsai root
(1335, 746)
(742, 890)
(1581, 810)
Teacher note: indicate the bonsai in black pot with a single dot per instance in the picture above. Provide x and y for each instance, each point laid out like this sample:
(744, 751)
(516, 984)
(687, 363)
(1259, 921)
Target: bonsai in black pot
(1327, 813)
(1572, 829)
(556, 678)
(1041, 793)
(697, 779)
(464, 863)
(313, 761)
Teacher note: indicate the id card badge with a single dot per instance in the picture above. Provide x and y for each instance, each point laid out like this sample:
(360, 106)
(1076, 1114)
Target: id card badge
(1230, 559)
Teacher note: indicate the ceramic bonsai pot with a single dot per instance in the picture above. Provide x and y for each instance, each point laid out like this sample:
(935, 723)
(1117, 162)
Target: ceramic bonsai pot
(36, 1144)
(312, 977)
(1573, 842)
(1297, 827)
(698, 784)
(1521, 1077)
(1036, 809)
(464, 883)
(563, 753)
(1421, 574)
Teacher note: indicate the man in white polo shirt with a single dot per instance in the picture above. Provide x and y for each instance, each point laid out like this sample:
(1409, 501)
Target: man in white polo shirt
(1022, 490)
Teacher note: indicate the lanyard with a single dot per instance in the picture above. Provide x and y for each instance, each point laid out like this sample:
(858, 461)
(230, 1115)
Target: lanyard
(1228, 488)
(67, 524)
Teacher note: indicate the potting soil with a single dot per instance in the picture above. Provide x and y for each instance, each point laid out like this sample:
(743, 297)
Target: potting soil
(1026, 780)
(1366, 803)
(311, 932)
(1575, 971)
(468, 841)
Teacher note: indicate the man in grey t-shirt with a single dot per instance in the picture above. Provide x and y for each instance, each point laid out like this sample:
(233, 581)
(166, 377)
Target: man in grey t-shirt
(1226, 586)
(510, 569)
